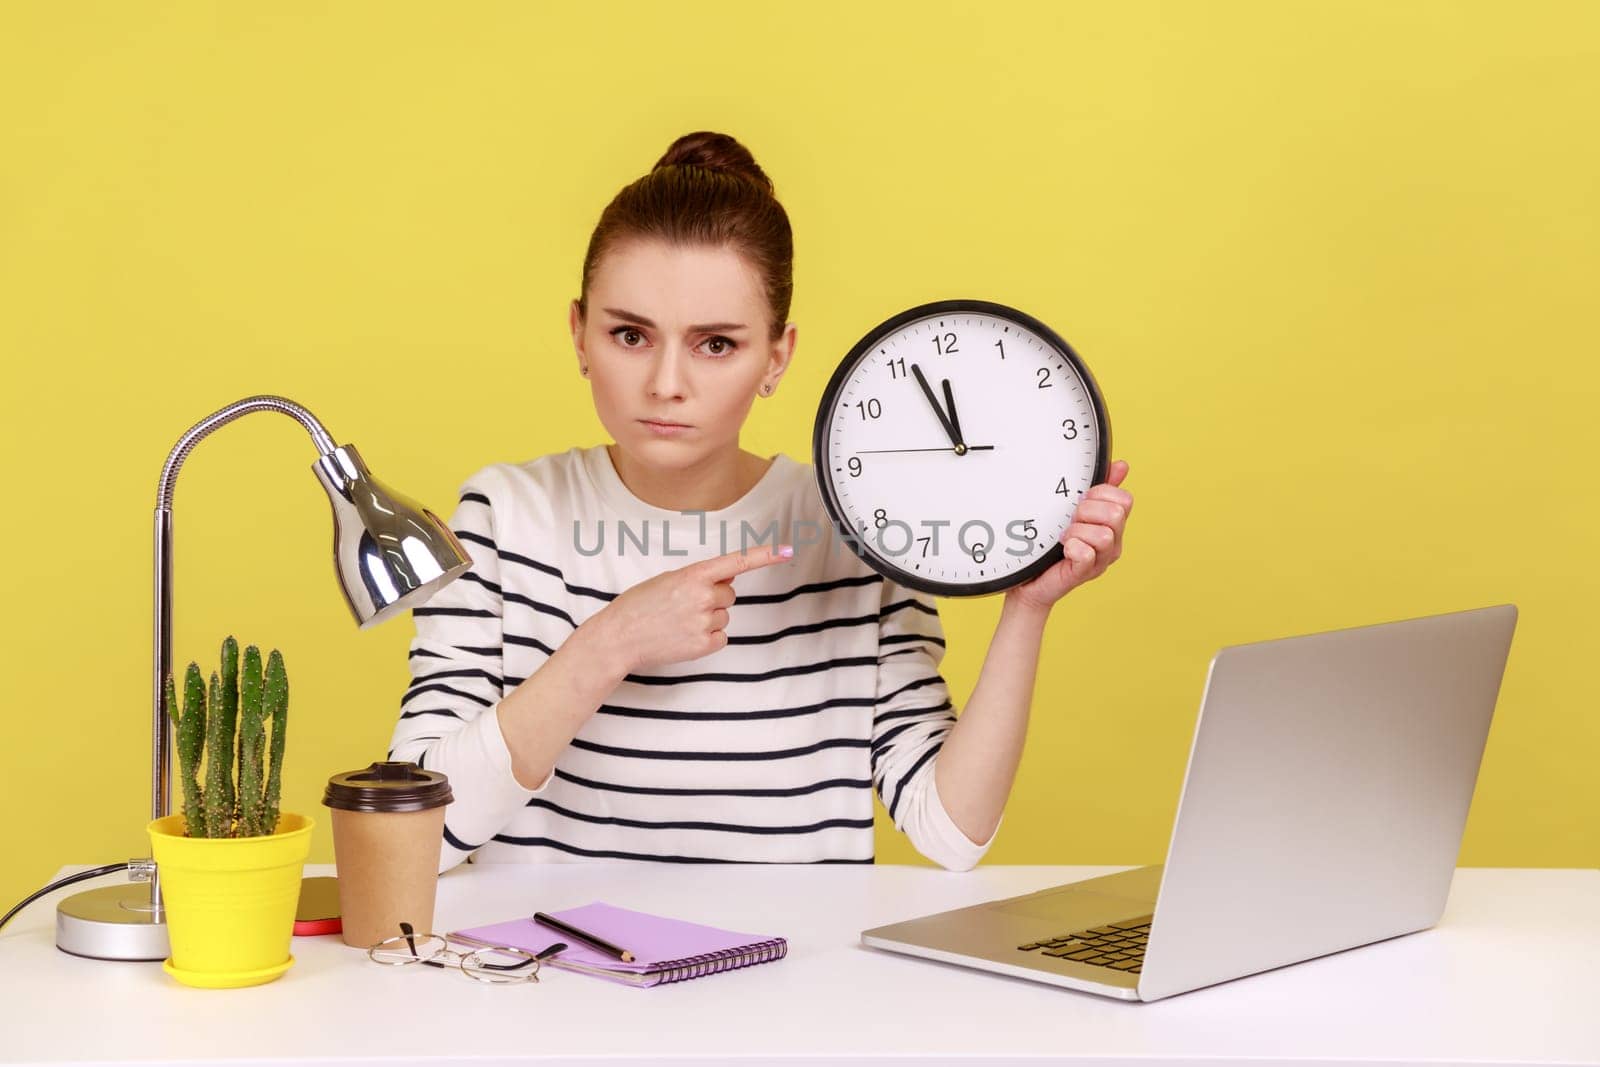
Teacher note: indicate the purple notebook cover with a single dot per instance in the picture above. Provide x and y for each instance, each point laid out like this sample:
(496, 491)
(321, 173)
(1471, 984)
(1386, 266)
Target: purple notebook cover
(656, 941)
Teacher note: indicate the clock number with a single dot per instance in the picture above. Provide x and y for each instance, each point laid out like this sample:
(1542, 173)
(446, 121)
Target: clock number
(1044, 378)
(980, 553)
(1030, 531)
(924, 541)
(1001, 345)
(1071, 431)
(947, 346)
(901, 364)
(880, 518)
(1061, 487)
(870, 409)
(855, 466)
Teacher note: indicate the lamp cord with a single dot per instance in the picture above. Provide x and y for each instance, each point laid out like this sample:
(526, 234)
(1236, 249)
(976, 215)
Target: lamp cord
(71, 879)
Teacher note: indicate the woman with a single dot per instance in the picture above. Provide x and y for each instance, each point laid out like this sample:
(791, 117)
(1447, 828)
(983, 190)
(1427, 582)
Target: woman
(654, 656)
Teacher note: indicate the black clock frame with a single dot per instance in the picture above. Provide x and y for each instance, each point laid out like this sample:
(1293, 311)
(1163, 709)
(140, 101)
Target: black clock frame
(873, 339)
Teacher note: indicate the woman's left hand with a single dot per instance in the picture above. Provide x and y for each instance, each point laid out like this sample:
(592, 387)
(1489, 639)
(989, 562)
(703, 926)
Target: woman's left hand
(1093, 543)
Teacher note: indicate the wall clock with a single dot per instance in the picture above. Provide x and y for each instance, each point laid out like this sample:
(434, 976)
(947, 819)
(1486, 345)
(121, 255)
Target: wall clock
(953, 444)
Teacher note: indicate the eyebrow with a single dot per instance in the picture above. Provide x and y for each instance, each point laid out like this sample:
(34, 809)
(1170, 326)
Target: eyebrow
(700, 328)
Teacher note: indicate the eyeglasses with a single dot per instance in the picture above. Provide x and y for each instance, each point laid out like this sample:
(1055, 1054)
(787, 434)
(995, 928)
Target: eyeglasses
(494, 964)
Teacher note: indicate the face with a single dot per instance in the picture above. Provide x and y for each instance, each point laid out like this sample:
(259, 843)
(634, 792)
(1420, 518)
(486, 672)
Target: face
(676, 335)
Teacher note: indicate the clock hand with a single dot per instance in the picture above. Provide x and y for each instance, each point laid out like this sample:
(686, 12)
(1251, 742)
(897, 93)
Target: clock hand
(950, 403)
(942, 448)
(927, 391)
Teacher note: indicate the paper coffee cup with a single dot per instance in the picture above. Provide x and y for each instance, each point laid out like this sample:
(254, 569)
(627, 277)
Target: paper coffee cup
(388, 829)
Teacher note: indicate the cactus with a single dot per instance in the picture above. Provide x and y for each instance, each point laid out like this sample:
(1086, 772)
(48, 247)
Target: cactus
(191, 740)
(217, 821)
(232, 733)
(250, 744)
(230, 718)
(275, 704)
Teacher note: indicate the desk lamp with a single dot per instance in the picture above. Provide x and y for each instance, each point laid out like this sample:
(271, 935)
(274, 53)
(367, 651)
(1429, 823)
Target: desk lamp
(390, 553)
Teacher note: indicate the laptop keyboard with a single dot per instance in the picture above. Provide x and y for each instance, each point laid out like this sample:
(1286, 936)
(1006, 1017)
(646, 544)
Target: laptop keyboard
(1119, 945)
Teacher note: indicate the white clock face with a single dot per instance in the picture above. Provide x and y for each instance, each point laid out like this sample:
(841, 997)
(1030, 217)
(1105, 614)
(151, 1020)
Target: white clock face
(967, 501)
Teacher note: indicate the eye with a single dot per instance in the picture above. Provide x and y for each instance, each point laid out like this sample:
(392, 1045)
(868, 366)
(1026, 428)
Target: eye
(726, 345)
(622, 332)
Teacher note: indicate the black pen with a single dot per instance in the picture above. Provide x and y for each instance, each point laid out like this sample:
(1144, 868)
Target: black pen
(589, 939)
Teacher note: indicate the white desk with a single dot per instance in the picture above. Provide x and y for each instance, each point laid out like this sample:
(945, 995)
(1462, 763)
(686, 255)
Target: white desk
(1510, 975)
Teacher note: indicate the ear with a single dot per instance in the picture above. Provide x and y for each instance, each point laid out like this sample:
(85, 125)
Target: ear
(575, 325)
(782, 352)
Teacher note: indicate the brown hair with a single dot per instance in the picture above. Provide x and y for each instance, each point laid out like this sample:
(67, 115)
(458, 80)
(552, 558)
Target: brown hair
(706, 190)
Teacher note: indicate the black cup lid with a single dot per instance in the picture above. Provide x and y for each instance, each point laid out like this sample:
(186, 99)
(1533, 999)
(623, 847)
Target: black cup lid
(388, 786)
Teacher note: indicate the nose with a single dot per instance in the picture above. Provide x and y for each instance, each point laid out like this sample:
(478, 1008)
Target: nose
(667, 376)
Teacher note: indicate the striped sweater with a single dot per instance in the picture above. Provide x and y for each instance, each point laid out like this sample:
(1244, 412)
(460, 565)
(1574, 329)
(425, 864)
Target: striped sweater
(769, 749)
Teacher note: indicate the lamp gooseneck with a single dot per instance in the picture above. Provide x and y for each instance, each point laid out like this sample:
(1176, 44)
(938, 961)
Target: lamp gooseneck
(390, 554)
(160, 730)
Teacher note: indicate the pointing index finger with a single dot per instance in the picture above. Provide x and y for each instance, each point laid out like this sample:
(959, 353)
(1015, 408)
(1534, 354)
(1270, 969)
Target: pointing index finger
(722, 568)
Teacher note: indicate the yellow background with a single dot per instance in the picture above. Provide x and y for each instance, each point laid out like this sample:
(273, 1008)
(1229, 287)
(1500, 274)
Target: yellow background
(1333, 265)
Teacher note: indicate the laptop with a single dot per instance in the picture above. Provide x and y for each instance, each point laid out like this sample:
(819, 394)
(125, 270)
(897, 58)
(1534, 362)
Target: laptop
(1322, 809)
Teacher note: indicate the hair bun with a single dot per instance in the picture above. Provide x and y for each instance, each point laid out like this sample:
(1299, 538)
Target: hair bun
(715, 151)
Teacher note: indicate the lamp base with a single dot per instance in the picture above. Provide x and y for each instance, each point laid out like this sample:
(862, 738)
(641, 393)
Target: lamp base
(112, 923)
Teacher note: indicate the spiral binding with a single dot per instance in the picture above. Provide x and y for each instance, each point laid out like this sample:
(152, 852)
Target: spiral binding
(730, 959)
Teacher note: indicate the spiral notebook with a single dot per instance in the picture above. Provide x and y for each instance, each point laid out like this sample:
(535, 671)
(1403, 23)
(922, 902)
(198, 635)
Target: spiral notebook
(665, 949)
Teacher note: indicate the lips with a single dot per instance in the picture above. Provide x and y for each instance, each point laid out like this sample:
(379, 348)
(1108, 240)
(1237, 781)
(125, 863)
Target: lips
(663, 422)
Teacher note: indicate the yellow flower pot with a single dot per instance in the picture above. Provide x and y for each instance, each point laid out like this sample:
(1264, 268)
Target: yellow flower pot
(230, 901)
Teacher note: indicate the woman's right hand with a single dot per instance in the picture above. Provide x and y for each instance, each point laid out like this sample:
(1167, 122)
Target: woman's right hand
(679, 614)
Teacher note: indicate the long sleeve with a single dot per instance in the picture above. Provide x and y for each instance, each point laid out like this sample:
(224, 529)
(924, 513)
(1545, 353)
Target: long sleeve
(912, 716)
(449, 715)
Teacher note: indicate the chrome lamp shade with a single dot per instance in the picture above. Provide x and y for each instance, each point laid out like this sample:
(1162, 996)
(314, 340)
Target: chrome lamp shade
(390, 554)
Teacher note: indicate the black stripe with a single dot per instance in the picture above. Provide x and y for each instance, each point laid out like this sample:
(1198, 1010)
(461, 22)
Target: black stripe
(782, 753)
(464, 672)
(734, 716)
(477, 498)
(455, 842)
(541, 607)
(415, 652)
(470, 613)
(478, 650)
(900, 790)
(511, 681)
(733, 676)
(896, 638)
(889, 735)
(880, 743)
(662, 791)
(471, 576)
(442, 688)
(514, 598)
(408, 741)
(814, 587)
(745, 639)
(901, 713)
(726, 827)
(902, 652)
(803, 628)
(477, 539)
(758, 676)
(918, 684)
(525, 642)
(741, 639)
(429, 711)
(615, 855)
(919, 605)
(520, 599)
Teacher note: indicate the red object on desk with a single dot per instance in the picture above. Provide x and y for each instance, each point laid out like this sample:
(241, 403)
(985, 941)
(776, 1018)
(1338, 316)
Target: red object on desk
(318, 910)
